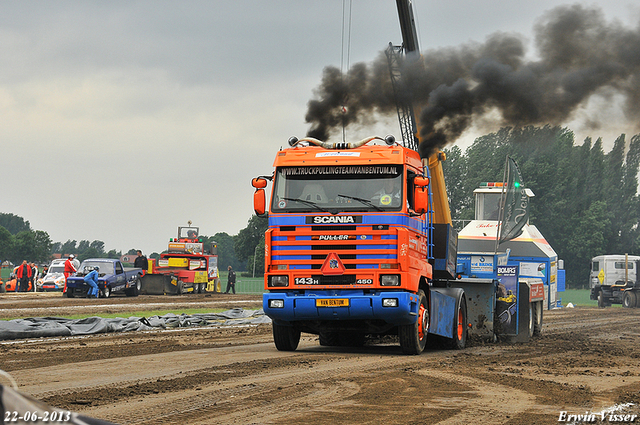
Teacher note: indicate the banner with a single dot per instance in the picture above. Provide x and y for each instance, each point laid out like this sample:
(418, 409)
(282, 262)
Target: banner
(516, 205)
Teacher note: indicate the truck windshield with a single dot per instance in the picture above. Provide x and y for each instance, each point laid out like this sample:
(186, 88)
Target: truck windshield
(338, 188)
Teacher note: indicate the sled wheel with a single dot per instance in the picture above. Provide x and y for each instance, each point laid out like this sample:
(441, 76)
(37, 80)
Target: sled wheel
(537, 318)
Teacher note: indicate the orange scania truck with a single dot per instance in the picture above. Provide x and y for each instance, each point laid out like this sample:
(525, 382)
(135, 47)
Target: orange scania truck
(359, 243)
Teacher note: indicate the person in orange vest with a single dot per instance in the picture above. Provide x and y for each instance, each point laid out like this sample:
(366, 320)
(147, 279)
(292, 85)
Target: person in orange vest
(24, 274)
(69, 269)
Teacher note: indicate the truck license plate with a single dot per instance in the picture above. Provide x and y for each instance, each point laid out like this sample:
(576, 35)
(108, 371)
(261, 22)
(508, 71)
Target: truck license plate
(332, 302)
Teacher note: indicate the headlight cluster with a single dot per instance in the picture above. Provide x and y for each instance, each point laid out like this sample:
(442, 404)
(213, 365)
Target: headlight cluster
(279, 281)
(390, 280)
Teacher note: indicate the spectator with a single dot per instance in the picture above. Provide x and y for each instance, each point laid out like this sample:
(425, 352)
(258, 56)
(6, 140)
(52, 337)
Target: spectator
(141, 261)
(23, 274)
(69, 269)
(231, 281)
(34, 275)
(45, 270)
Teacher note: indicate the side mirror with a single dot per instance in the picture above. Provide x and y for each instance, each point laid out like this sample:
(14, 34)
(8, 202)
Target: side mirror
(421, 195)
(259, 183)
(259, 196)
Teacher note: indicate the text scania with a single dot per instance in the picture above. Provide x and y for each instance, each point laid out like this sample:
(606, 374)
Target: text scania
(341, 219)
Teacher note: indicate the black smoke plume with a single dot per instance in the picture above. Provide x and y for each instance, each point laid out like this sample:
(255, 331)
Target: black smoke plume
(579, 54)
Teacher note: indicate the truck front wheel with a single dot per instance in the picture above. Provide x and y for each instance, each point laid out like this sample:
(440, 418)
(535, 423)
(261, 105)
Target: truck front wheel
(286, 338)
(106, 292)
(602, 303)
(413, 338)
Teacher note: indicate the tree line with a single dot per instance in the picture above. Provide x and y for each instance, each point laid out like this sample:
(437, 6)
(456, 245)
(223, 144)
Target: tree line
(586, 201)
(19, 242)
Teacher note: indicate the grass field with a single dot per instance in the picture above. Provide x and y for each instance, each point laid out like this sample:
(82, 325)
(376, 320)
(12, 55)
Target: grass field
(579, 297)
(244, 285)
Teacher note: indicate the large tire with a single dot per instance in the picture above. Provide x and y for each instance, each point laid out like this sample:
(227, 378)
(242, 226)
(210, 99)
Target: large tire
(459, 340)
(286, 338)
(135, 289)
(602, 303)
(531, 319)
(629, 299)
(413, 337)
(537, 319)
(69, 293)
(180, 286)
(106, 292)
(329, 338)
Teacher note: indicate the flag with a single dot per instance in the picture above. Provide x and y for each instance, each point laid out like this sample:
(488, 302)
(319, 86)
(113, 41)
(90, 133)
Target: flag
(516, 204)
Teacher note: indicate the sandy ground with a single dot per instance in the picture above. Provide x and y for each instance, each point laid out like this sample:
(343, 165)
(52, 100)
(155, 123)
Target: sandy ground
(585, 361)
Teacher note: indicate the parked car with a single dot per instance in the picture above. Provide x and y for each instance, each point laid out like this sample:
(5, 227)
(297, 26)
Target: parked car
(54, 279)
(113, 277)
(12, 283)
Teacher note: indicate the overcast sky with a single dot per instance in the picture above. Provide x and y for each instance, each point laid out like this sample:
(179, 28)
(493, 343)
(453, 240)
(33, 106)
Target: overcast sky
(121, 120)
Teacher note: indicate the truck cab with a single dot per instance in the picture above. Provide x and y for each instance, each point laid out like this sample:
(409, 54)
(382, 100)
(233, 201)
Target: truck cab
(613, 279)
(348, 251)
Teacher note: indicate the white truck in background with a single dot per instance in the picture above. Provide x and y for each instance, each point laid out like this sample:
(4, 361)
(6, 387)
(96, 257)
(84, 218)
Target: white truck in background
(614, 280)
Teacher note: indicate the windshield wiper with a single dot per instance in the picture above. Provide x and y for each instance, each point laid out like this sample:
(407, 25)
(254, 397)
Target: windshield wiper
(364, 201)
(313, 204)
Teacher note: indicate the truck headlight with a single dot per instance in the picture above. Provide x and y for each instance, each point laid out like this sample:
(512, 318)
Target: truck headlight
(389, 280)
(276, 303)
(278, 281)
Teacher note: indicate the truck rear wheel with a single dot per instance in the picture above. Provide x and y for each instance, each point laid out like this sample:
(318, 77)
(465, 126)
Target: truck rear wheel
(329, 338)
(351, 338)
(413, 337)
(459, 340)
(286, 338)
(629, 300)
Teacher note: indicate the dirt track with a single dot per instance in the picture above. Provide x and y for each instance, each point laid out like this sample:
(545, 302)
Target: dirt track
(587, 359)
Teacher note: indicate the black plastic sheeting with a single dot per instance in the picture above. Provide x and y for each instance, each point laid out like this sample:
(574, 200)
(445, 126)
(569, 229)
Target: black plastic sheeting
(57, 326)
